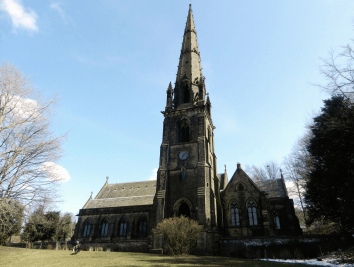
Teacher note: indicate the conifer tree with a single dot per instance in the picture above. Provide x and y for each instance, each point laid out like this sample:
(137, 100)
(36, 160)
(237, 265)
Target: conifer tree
(329, 189)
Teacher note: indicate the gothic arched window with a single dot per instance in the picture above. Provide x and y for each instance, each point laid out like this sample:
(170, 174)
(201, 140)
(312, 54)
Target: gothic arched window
(252, 213)
(184, 131)
(276, 220)
(87, 228)
(104, 228)
(123, 228)
(186, 94)
(143, 227)
(235, 214)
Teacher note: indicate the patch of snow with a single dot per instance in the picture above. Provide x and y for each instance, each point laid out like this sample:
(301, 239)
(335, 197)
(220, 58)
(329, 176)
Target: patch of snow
(313, 262)
(265, 242)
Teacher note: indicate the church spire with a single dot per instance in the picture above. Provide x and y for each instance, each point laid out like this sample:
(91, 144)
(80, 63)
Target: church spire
(189, 62)
(190, 86)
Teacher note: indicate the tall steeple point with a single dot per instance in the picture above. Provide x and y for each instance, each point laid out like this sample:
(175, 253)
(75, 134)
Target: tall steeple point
(190, 87)
(189, 62)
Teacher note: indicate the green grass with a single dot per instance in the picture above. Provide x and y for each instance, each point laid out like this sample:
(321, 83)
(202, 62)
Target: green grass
(22, 257)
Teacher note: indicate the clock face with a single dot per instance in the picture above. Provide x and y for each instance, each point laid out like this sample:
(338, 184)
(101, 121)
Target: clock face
(183, 155)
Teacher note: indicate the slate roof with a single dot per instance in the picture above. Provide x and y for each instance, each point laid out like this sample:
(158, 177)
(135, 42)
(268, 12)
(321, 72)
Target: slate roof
(123, 195)
(273, 187)
(119, 202)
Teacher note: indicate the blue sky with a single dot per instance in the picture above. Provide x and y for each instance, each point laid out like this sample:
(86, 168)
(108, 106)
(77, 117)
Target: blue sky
(111, 63)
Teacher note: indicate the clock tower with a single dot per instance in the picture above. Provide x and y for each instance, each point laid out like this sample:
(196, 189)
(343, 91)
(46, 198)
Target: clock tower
(187, 183)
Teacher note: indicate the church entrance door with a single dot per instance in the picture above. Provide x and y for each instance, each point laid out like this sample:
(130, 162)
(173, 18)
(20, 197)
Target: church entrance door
(184, 210)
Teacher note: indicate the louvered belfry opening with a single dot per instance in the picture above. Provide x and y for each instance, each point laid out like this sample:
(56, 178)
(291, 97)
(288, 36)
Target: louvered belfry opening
(184, 131)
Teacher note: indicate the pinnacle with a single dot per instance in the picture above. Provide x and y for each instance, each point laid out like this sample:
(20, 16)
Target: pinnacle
(170, 86)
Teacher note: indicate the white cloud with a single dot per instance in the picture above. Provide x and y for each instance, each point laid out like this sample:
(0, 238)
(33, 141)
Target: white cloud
(23, 107)
(56, 172)
(154, 174)
(56, 6)
(19, 16)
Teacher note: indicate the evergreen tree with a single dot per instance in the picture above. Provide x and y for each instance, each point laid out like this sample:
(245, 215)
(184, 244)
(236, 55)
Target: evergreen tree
(47, 226)
(64, 227)
(11, 215)
(329, 189)
(34, 229)
(51, 225)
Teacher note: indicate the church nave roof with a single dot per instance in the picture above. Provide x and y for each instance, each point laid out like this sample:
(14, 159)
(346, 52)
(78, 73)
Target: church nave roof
(124, 194)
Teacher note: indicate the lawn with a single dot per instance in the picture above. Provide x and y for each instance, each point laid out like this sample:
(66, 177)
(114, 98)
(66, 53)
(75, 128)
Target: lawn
(37, 257)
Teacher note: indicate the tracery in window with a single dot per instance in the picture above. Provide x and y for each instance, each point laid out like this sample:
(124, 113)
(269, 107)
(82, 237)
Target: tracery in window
(143, 227)
(252, 213)
(87, 228)
(235, 214)
(104, 228)
(276, 220)
(123, 228)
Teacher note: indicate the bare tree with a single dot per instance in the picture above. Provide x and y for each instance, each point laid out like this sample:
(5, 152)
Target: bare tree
(297, 169)
(269, 171)
(339, 72)
(27, 146)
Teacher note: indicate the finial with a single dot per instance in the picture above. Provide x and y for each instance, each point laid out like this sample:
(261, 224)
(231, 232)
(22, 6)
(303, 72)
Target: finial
(107, 179)
(281, 174)
(208, 99)
(91, 194)
(225, 166)
(238, 165)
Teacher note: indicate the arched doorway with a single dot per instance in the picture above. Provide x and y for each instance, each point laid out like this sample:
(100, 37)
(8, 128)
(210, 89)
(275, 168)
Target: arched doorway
(184, 210)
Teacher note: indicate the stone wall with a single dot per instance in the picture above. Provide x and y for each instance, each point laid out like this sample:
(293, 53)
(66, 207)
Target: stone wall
(143, 246)
(60, 245)
(300, 247)
(113, 216)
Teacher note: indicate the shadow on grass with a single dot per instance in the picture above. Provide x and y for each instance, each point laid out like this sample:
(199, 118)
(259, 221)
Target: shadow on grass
(215, 261)
(8, 249)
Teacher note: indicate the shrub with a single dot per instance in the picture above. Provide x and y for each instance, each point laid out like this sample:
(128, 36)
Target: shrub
(4, 237)
(49, 247)
(179, 234)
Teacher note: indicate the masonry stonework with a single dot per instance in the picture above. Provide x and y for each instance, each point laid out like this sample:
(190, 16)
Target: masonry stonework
(122, 215)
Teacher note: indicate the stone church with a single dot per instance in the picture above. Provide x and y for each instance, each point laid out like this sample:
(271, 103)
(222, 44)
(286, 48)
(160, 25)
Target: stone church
(123, 214)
